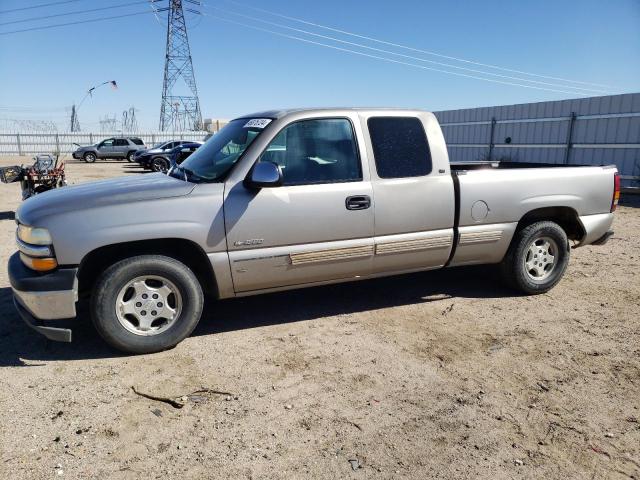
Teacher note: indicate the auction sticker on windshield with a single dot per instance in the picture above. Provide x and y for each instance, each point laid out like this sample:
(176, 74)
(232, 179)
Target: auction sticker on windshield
(257, 123)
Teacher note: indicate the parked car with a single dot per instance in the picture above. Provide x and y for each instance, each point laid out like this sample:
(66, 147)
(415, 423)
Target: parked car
(117, 148)
(181, 153)
(290, 199)
(160, 151)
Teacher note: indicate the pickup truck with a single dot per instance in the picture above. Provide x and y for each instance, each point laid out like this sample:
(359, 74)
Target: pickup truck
(288, 199)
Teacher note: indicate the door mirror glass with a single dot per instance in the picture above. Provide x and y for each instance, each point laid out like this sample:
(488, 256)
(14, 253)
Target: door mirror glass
(264, 175)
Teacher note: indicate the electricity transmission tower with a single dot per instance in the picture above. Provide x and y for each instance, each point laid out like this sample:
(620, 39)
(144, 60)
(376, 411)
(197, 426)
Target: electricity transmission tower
(129, 122)
(108, 124)
(179, 112)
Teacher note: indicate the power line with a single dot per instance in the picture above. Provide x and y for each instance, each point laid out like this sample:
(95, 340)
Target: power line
(377, 57)
(447, 65)
(39, 6)
(364, 37)
(32, 19)
(46, 27)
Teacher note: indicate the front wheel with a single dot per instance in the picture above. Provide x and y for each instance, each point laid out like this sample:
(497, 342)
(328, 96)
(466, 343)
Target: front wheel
(146, 304)
(160, 164)
(537, 258)
(89, 157)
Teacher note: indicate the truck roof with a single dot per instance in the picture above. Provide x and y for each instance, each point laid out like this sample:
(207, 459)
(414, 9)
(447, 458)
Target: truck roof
(275, 114)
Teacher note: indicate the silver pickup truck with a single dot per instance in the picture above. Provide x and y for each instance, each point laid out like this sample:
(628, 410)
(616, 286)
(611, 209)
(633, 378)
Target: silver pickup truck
(288, 199)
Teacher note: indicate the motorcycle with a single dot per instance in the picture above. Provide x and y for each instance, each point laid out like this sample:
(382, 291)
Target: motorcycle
(45, 174)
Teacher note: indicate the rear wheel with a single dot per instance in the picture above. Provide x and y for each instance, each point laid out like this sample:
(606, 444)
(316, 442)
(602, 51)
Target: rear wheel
(537, 258)
(146, 303)
(160, 164)
(130, 157)
(89, 157)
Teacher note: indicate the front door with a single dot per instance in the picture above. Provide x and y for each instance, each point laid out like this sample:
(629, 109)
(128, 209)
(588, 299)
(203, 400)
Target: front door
(105, 148)
(317, 226)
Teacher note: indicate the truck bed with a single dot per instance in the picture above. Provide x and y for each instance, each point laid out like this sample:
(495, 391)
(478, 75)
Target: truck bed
(491, 197)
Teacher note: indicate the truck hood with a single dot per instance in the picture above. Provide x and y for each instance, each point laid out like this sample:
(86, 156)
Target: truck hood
(129, 189)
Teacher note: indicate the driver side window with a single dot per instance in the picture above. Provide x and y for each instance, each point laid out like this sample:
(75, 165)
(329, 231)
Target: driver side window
(316, 151)
(107, 143)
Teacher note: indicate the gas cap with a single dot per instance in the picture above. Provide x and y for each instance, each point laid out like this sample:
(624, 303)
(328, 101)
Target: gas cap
(479, 211)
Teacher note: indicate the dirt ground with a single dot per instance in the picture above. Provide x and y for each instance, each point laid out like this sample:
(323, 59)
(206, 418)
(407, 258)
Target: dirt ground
(434, 375)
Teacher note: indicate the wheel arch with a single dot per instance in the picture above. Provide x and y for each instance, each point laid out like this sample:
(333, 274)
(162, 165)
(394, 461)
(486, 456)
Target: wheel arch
(183, 250)
(566, 217)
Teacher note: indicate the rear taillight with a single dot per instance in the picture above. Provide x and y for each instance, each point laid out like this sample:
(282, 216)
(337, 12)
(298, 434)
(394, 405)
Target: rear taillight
(616, 191)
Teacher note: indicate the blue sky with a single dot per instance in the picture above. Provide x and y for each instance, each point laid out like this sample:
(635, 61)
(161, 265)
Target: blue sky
(240, 70)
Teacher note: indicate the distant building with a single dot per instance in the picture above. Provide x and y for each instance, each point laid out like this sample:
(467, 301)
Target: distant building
(214, 124)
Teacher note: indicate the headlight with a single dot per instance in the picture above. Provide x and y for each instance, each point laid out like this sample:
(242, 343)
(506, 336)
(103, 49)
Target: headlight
(36, 249)
(34, 235)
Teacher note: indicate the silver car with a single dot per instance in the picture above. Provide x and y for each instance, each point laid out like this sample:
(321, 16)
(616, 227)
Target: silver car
(117, 148)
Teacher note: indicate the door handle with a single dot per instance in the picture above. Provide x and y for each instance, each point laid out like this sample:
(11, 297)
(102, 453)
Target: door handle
(358, 202)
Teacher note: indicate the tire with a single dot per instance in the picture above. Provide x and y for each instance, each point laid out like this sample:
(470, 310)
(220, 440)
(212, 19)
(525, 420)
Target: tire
(89, 157)
(130, 157)
(537, 258)
(160, 164)
(126, 323)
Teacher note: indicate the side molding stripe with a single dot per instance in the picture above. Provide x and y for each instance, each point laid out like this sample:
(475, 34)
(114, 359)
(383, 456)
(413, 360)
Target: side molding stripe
(467, 238)
(413, 245)
(330, 255)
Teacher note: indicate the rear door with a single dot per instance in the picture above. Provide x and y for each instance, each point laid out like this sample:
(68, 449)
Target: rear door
(317, 226)
(121, 147)
(414, 208)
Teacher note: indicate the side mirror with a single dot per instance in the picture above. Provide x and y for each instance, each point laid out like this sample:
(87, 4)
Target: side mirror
(264, 175)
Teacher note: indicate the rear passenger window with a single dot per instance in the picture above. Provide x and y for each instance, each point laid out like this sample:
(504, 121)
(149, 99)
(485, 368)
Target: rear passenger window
(316, 151)
(400, 147)
(120, 142)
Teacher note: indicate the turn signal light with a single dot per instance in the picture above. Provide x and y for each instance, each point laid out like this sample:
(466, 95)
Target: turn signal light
(616, 192)
(39, 264)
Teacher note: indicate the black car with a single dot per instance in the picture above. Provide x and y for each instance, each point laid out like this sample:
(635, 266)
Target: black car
(159, 154)
(174, 157)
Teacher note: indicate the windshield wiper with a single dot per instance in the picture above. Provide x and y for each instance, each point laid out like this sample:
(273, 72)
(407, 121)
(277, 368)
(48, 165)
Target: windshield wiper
(194, 176)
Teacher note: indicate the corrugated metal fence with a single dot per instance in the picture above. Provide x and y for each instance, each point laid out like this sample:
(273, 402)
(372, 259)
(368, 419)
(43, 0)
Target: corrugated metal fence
(588, 131)
(33, 143)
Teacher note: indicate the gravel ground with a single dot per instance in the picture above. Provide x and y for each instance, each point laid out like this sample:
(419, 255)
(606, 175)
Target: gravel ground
(433, 375)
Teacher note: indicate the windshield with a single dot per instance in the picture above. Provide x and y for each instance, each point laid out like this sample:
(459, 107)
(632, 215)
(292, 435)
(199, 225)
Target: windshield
(215, 158)
(159, 145)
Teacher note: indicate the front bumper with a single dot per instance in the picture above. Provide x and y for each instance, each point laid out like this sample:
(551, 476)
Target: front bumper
(41, 297)
(52, 333)
(77, 155)
(145, 161)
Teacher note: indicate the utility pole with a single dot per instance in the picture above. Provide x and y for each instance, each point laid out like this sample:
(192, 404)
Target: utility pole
(75, 124)
(177, 65)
